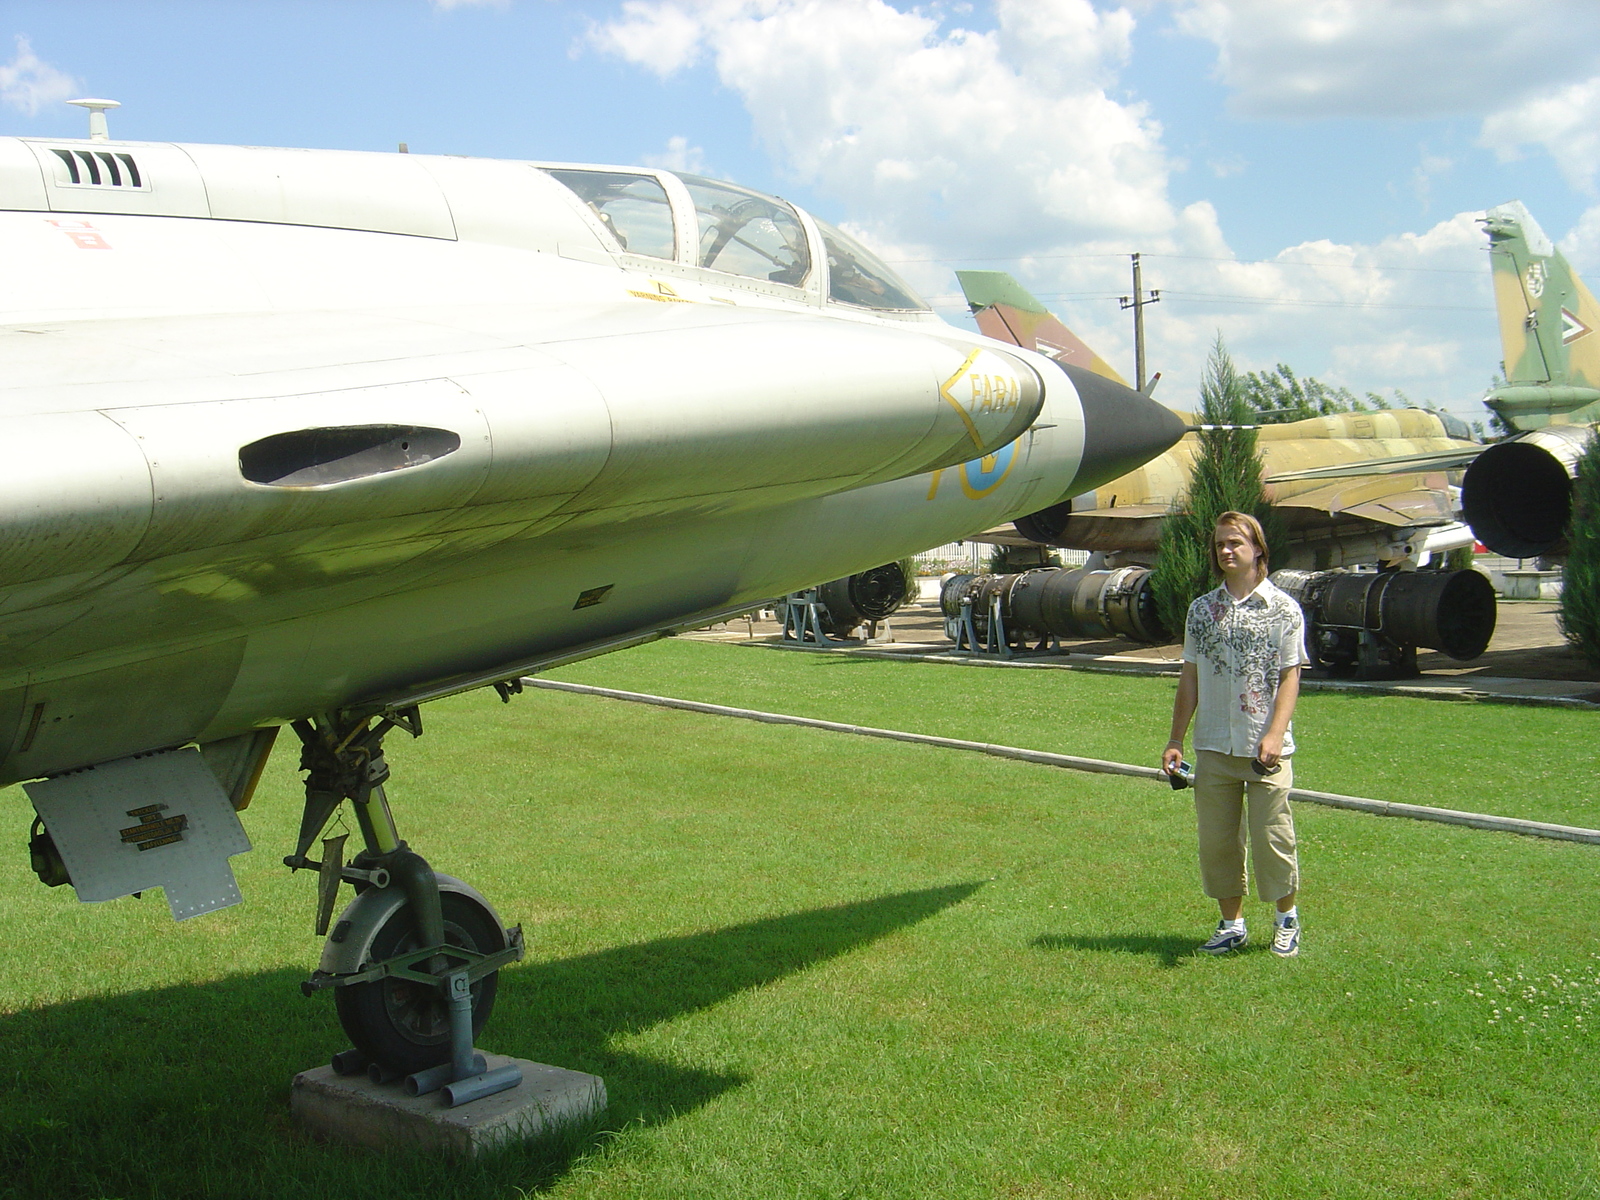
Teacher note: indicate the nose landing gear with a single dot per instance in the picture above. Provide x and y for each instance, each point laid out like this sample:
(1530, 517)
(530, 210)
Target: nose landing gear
(414, 958)
(400, 1018)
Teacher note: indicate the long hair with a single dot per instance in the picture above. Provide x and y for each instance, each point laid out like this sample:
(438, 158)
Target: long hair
(1251, 528)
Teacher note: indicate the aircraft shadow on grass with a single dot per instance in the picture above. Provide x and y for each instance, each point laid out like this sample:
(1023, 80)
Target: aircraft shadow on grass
(210, 1064)
(1166, 947)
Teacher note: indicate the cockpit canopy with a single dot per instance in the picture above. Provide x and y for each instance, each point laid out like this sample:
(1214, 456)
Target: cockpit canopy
(633, 208)
(723, 227)
(1454, 426)
(858, 276)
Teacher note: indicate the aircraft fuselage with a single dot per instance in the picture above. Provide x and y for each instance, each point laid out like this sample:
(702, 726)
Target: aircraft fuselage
(292, 431)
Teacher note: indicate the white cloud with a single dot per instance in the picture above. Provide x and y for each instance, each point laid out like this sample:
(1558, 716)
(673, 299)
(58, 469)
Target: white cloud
(1531, 71)
(1010, 149)
(998, 140)
(665, 38)
(1566, 122)
(1228, 164)
(1412, 312)
(27, 83)
(679, 156)
(1429, 167)
(1433, 319)
(1582, 245)
(1059, 46)
(1414, 58)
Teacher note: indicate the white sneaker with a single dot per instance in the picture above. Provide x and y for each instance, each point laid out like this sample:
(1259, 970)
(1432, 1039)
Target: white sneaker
(1286, 938)
(1225, 939)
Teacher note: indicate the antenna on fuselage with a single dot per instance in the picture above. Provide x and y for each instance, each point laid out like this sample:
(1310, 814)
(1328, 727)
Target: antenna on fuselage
(97, 117)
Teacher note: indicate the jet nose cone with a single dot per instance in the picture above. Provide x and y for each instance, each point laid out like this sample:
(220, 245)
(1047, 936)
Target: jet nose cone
(1122, 428)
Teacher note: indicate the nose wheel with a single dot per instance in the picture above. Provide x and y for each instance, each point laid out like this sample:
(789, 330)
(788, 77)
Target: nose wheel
(402, 1022)
(414, 959)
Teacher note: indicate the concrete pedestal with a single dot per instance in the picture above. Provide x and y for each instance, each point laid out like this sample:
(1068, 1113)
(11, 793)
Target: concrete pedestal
(1532, 585)
(380, 1116)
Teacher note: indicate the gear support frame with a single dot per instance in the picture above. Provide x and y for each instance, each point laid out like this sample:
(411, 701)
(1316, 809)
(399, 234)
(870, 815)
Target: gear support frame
(413, 984)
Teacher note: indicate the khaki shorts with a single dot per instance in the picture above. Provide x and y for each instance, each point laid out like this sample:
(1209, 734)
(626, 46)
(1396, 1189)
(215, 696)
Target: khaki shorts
(1222, 784)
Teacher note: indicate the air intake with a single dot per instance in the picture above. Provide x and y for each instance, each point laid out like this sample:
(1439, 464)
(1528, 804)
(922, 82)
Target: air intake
(337, 454)
(100, 168)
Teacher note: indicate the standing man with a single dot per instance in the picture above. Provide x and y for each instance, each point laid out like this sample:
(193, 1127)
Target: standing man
(1242, 654)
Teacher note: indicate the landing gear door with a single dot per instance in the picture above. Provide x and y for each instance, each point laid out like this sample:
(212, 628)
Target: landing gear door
(154, 820)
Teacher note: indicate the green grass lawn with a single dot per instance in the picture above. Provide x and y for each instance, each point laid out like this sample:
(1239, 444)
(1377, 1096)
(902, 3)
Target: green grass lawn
(1541, 764)
(815, 965)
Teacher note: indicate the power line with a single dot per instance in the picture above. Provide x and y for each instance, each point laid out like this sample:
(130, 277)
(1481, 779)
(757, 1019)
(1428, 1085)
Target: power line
(1224, 298)
(1281, 262)
(1243, 262)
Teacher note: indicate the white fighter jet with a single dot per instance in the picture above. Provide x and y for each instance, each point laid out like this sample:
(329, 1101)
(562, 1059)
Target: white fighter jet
(313, 437)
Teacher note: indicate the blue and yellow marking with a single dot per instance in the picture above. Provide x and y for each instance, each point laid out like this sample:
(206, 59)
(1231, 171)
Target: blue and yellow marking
(981, 476)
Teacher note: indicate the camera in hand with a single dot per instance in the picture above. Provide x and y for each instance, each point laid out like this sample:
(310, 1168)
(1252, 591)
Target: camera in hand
(1181, 776)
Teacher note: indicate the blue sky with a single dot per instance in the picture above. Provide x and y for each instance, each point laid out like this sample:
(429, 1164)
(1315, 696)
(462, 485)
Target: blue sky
(1301, 178)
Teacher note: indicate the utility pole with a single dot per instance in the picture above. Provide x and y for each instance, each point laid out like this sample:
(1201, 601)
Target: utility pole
(1137, 302)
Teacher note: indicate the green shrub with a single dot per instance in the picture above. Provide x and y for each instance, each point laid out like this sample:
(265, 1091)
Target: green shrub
(1580, 591)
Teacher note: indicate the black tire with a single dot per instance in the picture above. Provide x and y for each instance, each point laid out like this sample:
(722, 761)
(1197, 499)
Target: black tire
(403, 1025)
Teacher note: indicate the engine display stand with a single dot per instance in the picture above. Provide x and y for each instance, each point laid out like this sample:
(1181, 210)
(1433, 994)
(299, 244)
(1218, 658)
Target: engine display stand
(381, 1116)
(803, 619)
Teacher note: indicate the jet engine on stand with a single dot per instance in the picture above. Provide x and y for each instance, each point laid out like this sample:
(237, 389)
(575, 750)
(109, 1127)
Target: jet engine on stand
(837, 608)
(1001, 612)
(1367, 624)
(1370, 624)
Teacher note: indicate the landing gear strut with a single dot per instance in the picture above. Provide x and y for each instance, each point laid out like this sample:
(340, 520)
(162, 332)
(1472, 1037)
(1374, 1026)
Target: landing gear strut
(414, 958)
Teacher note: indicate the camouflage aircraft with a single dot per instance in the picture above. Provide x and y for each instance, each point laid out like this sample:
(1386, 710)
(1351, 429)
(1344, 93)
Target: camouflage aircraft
(1517, 494)
(1332, 519)
(1352, 488)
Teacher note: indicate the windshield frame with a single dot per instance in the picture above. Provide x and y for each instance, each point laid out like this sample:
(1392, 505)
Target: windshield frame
(869, 258)
(662, 179)
(817, 287)
(809, 282)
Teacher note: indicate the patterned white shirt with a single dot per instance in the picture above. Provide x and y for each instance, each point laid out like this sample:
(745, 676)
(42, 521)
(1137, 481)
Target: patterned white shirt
(1239, 648)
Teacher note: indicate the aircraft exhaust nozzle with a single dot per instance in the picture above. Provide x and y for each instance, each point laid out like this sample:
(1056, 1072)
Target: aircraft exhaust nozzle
(865, 596)
(1449, 611)
(1517, 495)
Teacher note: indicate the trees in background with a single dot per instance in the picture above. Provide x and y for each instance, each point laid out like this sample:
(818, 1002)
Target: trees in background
(1580, 588)
(1227, 477)
(1279, 396)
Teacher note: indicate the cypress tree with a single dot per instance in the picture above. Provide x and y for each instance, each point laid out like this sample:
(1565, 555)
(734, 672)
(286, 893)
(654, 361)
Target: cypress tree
(1227, 477)
(1580, 589)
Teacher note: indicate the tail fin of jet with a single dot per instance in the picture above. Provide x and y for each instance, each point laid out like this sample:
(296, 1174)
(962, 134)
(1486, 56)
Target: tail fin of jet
(1549, 326)
(1006, 312)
